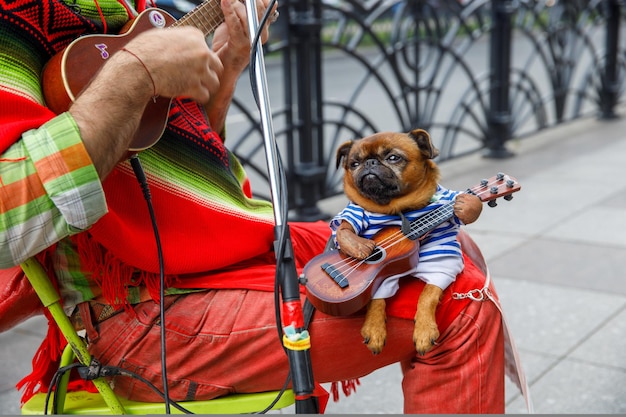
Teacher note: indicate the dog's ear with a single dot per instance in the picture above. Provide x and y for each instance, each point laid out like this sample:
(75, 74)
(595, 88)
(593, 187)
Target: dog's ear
(422, 138)
(343, 151)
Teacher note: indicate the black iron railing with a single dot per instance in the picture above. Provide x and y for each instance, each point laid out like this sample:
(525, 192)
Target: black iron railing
(475, 74)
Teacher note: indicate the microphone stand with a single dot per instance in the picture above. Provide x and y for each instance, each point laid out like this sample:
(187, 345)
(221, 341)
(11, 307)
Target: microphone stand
(296, 339)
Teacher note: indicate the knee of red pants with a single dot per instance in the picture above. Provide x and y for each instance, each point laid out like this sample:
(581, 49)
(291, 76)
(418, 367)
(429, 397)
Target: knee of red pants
(464, 373)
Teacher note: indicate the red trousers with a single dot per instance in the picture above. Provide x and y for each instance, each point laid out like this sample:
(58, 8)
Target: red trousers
(225, 341)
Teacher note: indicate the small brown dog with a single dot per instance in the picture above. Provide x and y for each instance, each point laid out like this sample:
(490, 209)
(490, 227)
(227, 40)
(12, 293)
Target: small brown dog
(393, 175)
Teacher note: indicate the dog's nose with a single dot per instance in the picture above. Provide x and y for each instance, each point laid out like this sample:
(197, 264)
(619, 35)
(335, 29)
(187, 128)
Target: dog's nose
(371, 162)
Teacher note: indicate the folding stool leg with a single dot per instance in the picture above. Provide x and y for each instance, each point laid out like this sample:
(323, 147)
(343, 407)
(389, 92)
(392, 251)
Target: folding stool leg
(51, 300)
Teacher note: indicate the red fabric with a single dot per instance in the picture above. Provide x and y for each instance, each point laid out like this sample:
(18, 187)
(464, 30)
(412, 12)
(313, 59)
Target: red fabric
(18, 300)
(404, 303)
(45, 362)
(463, 372)
(18, 115)
(183, 226)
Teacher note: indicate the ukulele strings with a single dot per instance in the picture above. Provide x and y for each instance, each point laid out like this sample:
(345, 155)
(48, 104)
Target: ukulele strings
(440, 214)
(206, 17)
(348, 265)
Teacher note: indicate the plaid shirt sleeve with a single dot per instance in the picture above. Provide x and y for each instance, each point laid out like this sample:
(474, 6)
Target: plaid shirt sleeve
(49, 189)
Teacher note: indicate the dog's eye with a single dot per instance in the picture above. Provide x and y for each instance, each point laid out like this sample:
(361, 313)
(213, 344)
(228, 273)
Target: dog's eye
(354, 164)
(394, 158)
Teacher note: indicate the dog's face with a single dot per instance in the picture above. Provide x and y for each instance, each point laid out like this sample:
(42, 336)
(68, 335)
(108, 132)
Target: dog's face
(390, 172)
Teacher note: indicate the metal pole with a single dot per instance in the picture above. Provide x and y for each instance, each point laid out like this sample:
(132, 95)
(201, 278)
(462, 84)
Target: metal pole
(499, 117)
(295, 339)
(307, 168)
(610, 81)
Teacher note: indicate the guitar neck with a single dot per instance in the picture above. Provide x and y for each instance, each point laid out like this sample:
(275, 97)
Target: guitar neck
(430, 220)
(206, 17)
(488, 190)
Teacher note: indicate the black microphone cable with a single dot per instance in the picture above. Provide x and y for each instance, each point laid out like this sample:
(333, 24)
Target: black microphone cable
(143, 182)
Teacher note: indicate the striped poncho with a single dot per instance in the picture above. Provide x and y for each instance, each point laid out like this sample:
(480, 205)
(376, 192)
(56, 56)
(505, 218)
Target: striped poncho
(202, 199)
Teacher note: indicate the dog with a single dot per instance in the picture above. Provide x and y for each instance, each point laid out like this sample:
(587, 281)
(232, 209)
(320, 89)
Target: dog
(393, 174)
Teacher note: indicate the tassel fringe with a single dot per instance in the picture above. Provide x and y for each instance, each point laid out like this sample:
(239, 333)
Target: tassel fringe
(348, 387)
(114, 276)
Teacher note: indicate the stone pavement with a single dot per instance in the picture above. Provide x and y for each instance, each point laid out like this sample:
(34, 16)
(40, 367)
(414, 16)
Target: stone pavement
(557, 255)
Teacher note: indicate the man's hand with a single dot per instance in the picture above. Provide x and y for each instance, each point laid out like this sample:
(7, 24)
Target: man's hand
(231, 40)
(231, 43)
(168, 62)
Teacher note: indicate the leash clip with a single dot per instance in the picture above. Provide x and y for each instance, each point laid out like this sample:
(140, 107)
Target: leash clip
(474, 295)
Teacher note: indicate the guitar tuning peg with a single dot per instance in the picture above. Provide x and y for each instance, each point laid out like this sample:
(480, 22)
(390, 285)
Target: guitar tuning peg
(494, 190)
(508, 197)
(500, 176)
(492, 203)
(510, 183)
(484, 182)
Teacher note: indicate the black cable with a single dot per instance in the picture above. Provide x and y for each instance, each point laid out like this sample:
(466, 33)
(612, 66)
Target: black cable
(55, 382)
(143, 182)
(95, 370)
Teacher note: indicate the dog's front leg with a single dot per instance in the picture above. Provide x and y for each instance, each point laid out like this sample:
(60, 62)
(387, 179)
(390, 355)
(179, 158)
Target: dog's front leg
(374, 330)
(353, 245)
(425, 331)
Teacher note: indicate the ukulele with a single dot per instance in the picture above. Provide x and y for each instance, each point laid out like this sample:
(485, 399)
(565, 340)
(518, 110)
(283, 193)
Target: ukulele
(340, 285)
(68, 72)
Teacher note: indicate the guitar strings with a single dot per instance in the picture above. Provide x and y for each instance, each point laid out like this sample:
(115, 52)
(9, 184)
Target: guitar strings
(441, 213)
(348, 265)
(207, 17)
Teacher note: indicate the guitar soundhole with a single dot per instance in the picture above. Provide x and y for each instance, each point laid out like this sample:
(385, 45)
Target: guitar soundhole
(377, 256)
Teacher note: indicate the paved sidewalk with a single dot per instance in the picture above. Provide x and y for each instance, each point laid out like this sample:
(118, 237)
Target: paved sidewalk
(557, 255)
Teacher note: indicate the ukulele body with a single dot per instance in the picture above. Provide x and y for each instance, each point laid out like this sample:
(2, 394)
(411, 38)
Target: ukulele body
(364, 277)
(70, 71)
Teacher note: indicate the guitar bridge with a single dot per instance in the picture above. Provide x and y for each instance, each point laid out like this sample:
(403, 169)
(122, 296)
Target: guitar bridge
(337, 276)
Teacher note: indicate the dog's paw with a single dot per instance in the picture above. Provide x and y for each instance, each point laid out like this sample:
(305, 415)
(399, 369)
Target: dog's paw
(374, 329)
(374, 337)
(425, 337)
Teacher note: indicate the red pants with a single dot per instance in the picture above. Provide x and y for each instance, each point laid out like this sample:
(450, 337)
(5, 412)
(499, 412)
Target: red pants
(220, 342)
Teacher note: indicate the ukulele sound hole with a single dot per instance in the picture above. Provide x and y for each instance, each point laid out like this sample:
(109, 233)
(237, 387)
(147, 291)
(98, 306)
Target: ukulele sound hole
(377, 256)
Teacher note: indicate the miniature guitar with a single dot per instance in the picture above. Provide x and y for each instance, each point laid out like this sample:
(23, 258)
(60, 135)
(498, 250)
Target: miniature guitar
(340, 285)
(68, 72)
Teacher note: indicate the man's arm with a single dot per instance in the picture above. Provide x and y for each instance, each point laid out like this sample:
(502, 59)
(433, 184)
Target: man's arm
(51, 176)
(49, 190)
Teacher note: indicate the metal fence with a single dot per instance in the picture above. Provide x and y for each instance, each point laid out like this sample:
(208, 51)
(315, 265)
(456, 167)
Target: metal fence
(475, 74)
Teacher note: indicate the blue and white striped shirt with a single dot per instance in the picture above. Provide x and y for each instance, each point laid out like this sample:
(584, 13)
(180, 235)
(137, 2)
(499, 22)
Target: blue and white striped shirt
(440, 256)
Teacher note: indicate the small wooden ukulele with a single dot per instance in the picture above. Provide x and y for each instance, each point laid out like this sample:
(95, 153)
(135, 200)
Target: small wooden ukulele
(68, 72)
(340, 285)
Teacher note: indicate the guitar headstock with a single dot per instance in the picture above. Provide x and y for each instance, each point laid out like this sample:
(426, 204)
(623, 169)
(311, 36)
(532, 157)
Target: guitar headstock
(500, 185)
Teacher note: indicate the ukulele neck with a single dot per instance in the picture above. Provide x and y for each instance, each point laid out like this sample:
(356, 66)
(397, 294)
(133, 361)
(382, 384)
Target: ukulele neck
(206, 17)
(430, 220)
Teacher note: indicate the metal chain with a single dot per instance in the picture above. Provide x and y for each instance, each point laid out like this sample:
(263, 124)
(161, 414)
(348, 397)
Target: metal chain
(474, 295)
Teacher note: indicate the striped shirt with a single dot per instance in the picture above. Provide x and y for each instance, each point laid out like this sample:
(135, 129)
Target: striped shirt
(440, 256)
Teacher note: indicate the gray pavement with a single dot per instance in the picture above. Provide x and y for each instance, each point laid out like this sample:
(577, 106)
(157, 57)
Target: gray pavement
(557, 255)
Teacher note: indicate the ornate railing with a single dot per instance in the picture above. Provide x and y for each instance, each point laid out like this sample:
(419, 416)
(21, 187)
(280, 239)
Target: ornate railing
(475, 74)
